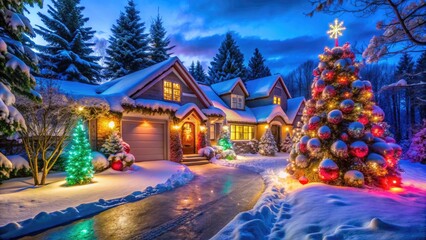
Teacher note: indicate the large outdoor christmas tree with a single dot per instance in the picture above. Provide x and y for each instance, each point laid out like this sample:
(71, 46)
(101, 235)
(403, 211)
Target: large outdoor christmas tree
(79, 164)
(343, 142)
(158, 41)
(68, 54)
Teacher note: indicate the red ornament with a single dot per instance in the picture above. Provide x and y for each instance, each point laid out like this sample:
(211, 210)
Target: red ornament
(117, 165)
(377, 130)
(358, 149)
(303, 180)
(363, 118)
(316, 72)
(328, 170)
(126, 147)
(314, 122)
(344, 137)
(343, 80)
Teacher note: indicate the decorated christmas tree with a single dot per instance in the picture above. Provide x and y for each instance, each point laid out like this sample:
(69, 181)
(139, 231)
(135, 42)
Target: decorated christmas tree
(113, 144)
(176, 152)
(267, 144)
(225, 139)
(79, 163)
(201, 140)
(343, 141)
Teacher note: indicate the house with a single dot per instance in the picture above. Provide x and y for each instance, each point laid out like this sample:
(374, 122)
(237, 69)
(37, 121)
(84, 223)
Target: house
(148, 104)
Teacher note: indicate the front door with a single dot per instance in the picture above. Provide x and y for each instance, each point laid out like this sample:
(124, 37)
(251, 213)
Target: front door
(188, 138)
(276, 131)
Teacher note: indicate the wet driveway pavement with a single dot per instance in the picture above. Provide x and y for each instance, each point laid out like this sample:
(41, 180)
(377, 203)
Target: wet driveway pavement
(197, 210)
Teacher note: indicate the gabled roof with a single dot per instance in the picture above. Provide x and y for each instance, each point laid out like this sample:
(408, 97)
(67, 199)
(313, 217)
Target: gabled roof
(184, 110)
(293, 106)
(262, 87)
(232, 115)
(228, 86)
(269, 112)
(134, 83)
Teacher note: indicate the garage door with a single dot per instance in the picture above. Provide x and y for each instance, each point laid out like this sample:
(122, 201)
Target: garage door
(146, 139)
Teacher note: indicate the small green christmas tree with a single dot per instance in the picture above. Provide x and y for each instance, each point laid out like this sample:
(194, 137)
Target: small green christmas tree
(225, 139)
(112, 144)
(79, 164)
(176, 152)
(267, 144)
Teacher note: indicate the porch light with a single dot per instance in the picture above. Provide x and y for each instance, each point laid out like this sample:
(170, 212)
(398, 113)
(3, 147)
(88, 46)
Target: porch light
(80, 108)
(287, 129)
(266, 127)
(176, 127)
(202, 128)
(111, 124)
(226, 128)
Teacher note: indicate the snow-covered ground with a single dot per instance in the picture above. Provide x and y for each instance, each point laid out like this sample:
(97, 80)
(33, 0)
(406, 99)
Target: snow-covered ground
(32, 208)
(288, 210)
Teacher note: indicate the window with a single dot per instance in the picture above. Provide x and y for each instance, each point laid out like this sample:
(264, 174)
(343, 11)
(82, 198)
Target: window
(171, 91)
(277, 100)
(241, 132)
(237, 101)
(212, 132)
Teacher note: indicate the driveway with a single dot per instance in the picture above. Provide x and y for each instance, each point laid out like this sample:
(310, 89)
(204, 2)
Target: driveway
(197, 210)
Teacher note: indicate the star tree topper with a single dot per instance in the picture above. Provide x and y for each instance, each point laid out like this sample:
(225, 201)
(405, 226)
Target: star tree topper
(336, 30)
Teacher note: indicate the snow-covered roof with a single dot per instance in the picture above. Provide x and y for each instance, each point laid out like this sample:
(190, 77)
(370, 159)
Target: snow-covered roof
(269, 112)
(262, 87)
(187, 108)
(226, 87)
(213, 111)
(156, 105)
(232, 115)
(293, 106)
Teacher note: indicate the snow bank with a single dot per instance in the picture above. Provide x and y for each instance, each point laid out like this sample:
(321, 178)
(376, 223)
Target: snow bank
(58, 201)
(18, 162)
(288, 210)
(99, 161)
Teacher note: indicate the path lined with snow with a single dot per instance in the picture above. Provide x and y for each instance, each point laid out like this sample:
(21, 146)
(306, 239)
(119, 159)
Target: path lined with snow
(56, 203)
(288, 210)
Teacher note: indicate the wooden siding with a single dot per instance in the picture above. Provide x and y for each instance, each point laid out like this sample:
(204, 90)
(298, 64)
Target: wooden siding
(156, 92)
(270, 99)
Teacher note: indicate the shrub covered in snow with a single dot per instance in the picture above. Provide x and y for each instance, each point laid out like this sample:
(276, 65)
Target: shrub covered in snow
(267, 145)
(417, 150)
(99, 161)
(207, 152)
(226, 154)
(5, 167)
(112, 144)
(286, 144)
(20, 166)
(242, 147)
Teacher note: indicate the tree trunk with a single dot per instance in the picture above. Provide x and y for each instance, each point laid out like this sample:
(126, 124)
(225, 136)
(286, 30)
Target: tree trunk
(44, 174)
(35, 172)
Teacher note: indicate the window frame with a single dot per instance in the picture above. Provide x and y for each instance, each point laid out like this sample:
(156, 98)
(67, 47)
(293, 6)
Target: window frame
(276, 100)
(172, 91)
(237, 101)
(242, 132)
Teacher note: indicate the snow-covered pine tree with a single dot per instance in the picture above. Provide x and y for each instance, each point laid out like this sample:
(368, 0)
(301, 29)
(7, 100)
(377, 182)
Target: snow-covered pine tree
(256, 67)
(191, 70)
(228, 62)
(16, 60)
(286, 144)
(176, 152)
(128, 49)
(199, 72)
(405, 68)
(417, 150)
(113, 144)
(225, 139)
(68, 54)
(267, 144)
(159, 43)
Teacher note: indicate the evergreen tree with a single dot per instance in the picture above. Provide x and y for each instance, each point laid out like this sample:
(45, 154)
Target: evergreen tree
(344, 141)
(191, 70)
(128, 49)
(158, 41)
(199, 73)
(421, 67)
(267, 144)
(112, 145)
(257, 67)
(228, 62)
(225, 139)
(79, 164)
(405, 68)
(176, 151)
(286, 144)
(68, 53)
(417, 150)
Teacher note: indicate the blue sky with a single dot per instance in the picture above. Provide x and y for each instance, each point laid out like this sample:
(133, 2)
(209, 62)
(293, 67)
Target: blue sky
(279, 28)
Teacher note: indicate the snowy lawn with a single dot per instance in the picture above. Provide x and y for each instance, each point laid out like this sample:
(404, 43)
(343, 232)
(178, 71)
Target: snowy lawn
(288, 210)
(55, 203)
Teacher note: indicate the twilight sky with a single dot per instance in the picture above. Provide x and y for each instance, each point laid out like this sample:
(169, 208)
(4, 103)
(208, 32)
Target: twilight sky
(279, 28)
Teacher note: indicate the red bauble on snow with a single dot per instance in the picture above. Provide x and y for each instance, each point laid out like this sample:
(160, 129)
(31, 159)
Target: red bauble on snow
(303, 180)
(328, 170)
(377, 130)
(117, 165)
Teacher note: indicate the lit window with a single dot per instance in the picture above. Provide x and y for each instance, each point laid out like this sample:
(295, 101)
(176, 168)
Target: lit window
(171, 91)
(237, 101)
(241, 132)
(277, 100)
